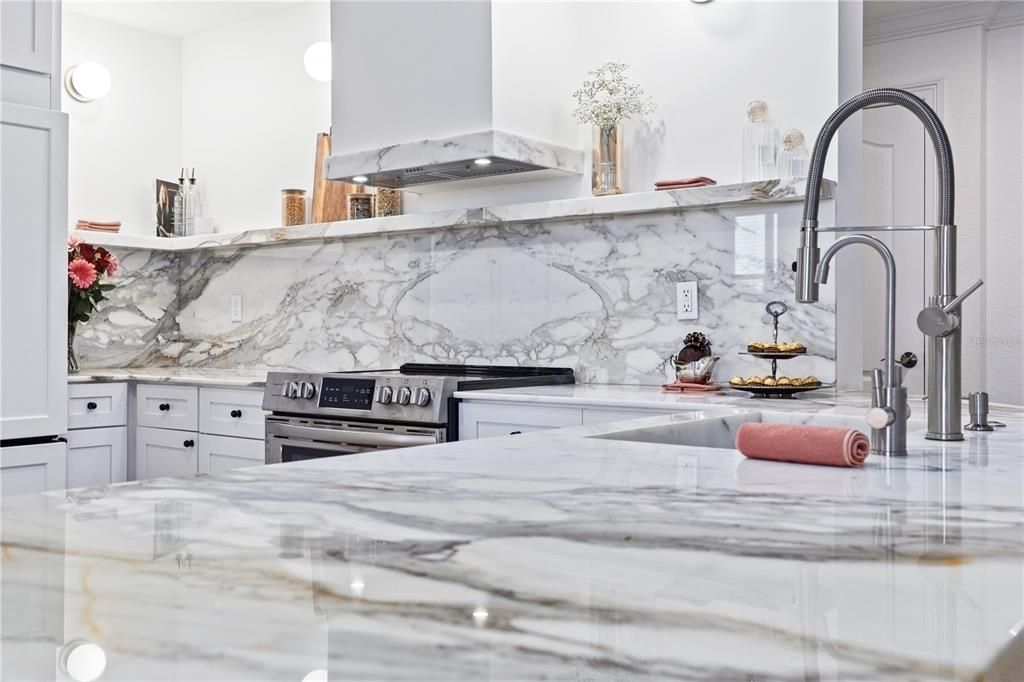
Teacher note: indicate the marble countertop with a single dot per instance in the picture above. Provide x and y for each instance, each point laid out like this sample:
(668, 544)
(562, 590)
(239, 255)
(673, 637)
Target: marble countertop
(667, 201)
(240, 378)
(549, 556)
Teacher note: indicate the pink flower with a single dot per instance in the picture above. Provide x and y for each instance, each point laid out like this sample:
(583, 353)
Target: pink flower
(73, 242)
(82, 273)
(112, 264)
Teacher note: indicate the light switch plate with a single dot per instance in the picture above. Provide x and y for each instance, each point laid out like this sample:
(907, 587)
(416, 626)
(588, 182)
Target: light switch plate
(686, 301)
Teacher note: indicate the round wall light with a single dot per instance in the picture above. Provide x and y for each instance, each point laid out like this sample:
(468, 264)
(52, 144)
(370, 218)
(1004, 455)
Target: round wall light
(87, 82)
(83, 661)
(317, 61)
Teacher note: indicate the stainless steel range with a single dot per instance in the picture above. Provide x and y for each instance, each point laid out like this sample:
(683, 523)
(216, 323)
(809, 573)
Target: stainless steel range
(341, 413)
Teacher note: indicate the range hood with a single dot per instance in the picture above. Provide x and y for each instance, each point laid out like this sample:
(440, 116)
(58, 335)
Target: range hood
(440, 109)
(473, 159)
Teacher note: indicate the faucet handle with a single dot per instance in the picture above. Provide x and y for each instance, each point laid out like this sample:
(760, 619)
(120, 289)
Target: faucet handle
(908, 360)
(942, 320)
(880, 417)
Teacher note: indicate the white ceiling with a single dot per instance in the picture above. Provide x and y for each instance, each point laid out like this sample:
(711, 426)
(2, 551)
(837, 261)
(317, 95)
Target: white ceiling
(178, 19)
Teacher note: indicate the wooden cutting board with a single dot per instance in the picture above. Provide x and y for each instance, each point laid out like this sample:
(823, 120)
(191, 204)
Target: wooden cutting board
(329, 196)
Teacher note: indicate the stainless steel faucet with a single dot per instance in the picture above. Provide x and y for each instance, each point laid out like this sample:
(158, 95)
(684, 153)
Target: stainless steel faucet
(889, 411)
(942, 353)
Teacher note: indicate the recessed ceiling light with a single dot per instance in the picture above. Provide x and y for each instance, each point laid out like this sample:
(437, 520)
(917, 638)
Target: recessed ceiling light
(317, 61)
(482, 162)
(87, 82)
(360, 179)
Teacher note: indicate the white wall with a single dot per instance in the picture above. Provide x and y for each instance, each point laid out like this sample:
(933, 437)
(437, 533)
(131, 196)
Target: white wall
(978, 74)
(119, 145)
(701, 63)
(234, 102)
(1004, 237)
(251, 113)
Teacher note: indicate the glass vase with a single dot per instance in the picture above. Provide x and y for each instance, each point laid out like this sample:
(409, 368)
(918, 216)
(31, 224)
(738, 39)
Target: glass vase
(607, 162)
(72, 357)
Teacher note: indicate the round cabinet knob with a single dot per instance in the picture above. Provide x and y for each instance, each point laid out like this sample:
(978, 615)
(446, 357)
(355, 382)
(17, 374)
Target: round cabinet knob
(291, 389)
(880, 417)
(308, 390)
(189, 443)
(91, 406)
(421, 397)
(384, 395)
(164, 407)
(237, 414)
(403, 395)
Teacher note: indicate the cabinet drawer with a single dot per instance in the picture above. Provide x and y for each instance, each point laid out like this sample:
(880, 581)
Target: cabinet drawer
(165, 452)
(167, 407)
(231, 412)
(97, 457)
(220, 453)
(97, 404)
(478, 420)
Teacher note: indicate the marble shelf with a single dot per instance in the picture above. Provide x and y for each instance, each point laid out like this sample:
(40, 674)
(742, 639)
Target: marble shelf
(670, 201)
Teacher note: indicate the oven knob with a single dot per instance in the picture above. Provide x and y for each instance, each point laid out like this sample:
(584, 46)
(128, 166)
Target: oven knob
(308, 390)
(421, 397)
(403, 395)
(291, 389)
(383, 395)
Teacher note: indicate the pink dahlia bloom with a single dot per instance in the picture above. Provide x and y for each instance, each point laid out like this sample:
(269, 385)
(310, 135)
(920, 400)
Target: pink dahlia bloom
(82, 273)
(73, 241)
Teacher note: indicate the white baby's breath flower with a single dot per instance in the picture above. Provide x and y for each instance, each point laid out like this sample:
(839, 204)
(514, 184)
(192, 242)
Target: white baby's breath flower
(607, 97)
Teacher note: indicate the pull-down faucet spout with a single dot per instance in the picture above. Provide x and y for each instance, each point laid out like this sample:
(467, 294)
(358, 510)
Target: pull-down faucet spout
(942, 356)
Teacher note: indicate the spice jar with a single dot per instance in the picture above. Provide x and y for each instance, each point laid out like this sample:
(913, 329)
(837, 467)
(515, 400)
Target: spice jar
(293, 207)
(387, 202)
(360, 203)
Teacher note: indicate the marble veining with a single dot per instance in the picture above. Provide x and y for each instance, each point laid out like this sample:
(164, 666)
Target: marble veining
(543, 557)
(596, 294)
(669, 201)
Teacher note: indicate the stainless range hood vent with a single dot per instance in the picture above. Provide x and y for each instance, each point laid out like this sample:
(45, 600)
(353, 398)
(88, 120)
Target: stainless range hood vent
(421, 165)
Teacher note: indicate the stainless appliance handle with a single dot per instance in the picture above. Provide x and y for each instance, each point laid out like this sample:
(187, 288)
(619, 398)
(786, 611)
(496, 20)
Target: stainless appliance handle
(349, 436)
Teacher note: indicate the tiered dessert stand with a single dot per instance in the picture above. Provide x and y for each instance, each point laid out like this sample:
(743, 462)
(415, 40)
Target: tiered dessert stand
(776, 309)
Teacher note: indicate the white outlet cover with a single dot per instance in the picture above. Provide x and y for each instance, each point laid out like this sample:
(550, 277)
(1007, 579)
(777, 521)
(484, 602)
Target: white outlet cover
(236, 307)
(686, 301)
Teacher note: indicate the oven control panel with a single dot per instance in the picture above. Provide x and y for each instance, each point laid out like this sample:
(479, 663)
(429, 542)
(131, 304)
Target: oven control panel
(386, 396)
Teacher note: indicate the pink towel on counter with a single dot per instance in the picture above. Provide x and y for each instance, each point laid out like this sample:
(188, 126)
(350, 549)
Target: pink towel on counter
(803, 444)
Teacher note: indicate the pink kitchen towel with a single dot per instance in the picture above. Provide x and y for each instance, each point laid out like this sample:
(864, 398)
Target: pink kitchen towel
(803, 444)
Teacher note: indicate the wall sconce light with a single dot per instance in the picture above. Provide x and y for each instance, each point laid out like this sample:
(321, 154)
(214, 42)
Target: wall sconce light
(87, 82)
(317, 61)
(83, 661)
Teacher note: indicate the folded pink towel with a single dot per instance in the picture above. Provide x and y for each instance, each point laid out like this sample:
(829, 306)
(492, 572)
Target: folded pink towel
(827, 445)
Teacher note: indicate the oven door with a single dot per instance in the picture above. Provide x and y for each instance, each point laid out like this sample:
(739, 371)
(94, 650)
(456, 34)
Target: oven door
(294, 439)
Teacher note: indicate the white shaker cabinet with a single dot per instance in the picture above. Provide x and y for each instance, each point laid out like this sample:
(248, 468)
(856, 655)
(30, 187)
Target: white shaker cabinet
(31, 468)
(220, 453)
(33, 267)
(485, 420)
(28, 33)
(165, 452)
(97, 457)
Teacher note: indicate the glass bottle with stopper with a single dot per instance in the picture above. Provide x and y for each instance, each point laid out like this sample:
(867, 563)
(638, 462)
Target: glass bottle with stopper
(792, 159)
(760, 143)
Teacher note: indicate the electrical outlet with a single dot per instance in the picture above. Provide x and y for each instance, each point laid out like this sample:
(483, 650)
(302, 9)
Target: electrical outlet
(686, 300)
(236, 307)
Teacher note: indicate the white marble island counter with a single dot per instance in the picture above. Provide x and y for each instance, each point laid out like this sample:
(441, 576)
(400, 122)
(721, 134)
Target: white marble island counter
(543, 557)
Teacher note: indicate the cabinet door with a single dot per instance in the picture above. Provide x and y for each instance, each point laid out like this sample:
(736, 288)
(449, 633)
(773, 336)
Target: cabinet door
(33, 272)
(167, 407)
(220, 453)
(28, 469)
(484, 420)
(97, 457)
(164, 452)
(231, 412)
(28, 34)
(95, 404)
(593, 416)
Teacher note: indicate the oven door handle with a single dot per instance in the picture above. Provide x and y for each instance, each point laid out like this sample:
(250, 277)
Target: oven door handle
(349, 436)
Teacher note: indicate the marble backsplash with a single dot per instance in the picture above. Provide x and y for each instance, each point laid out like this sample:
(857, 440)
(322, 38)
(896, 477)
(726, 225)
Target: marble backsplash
(596, 294)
